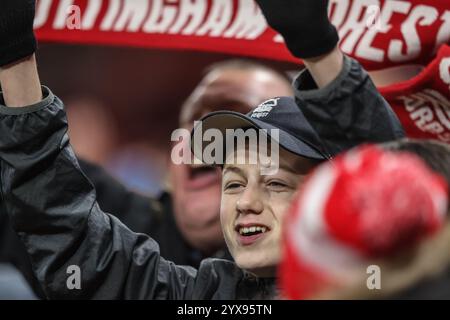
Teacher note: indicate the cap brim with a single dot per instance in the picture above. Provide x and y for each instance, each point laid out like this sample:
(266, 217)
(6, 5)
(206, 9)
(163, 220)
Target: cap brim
(223, 120)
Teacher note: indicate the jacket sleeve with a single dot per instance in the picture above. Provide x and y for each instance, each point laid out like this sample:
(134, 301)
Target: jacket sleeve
(348, 111)
(53, 207)
(139, 213)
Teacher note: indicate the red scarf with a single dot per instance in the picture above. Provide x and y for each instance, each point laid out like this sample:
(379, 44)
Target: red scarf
(378, 33)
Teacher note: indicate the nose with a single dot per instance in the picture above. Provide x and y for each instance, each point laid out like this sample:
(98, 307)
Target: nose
(250, 202)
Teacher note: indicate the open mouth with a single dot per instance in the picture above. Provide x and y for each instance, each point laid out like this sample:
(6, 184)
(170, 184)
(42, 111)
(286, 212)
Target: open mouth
(249, 234)
(202, 176)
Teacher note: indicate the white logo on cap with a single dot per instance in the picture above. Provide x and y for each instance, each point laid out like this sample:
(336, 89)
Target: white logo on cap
(264, 108)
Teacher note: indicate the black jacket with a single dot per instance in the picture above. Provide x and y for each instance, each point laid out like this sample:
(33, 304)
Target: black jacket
(137, 212)
(53, 205)
(151, 216)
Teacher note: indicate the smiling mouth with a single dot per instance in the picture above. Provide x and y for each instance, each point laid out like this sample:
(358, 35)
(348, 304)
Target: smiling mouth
(249, 234)
(251, 231)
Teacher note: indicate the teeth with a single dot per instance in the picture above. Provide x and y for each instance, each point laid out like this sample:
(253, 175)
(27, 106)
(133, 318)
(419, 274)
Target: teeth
(254, 229)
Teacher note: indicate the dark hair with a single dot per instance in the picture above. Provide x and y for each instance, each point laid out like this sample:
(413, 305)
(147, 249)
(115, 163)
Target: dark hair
(435, 154)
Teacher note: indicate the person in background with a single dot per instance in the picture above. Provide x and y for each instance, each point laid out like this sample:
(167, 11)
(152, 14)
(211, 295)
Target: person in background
(435, 154)
(369, 212)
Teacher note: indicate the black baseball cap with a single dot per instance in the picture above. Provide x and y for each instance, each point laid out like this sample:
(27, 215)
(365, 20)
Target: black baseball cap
(295, 132)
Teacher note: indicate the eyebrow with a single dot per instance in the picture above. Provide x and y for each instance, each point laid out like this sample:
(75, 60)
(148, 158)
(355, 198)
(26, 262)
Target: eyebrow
(288, 168)
(233, 169)
(240, 172)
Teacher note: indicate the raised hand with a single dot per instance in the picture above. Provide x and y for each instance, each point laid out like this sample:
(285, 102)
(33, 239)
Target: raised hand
(304, 25)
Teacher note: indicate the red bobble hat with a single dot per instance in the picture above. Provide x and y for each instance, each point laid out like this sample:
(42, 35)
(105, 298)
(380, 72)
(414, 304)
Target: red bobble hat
(365, 204)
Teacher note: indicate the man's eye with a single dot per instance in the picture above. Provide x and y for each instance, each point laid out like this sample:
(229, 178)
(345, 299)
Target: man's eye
(233, 186)
(277, 185)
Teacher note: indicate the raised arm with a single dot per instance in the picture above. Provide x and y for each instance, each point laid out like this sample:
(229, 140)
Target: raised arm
(51, 203)
(20, 83)
(334, 92)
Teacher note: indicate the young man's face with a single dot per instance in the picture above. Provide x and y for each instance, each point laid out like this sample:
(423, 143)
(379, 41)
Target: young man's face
(253, 207)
